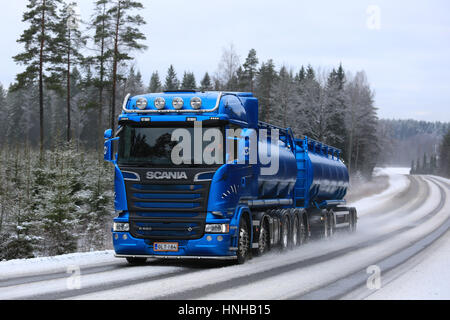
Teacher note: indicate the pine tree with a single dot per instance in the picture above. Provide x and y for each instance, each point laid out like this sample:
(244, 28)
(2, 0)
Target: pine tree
(335, 110)
(283, 92)
(102, 23)
(425, 164)
(241, 80)
(96, 207)
(88, 106)
(250, 70)
(41, 51)
(189, 82)
(155, 83)
(19, 232)
(444, 156)
(3, 114)
(70, 41)
(362, 125)
(58, 209)
(172, 83)
(265, 80)
(418, 167)
(310, 115)
(127, 37)
(205, 84)
(301, 75)
(16, 113)
(133, 83)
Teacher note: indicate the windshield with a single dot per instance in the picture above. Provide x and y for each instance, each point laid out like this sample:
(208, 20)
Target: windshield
(170, 146)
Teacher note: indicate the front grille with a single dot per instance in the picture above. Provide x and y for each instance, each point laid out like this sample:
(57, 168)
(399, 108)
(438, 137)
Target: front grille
(167, 197)
(168, 229)
(167, 210)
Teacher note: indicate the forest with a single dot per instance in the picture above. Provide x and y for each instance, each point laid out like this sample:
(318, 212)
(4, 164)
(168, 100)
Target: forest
(57, 193)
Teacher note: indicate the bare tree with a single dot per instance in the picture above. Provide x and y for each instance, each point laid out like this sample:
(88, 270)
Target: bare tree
(228, 67)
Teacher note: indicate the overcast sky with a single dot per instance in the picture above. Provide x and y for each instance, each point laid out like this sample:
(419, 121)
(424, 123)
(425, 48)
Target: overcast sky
(403, 46)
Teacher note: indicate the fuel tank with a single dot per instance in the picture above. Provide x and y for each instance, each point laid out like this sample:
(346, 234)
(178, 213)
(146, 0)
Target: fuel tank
(280, 180)
(314, 170)
(327, 178)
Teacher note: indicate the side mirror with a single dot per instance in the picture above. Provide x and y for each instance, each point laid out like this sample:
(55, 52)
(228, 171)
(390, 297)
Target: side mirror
(109, 148)
(108, 134)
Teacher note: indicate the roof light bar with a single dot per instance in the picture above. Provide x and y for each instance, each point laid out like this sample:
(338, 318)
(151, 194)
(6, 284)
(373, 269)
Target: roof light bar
(127, 98)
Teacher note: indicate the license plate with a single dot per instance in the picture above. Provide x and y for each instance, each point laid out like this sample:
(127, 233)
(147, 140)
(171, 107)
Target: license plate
(166, 246)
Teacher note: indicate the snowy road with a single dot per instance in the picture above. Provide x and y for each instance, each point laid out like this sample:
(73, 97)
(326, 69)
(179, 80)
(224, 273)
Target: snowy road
(402, 232)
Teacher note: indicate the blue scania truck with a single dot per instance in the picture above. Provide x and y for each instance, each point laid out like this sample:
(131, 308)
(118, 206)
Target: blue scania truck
(227, 209)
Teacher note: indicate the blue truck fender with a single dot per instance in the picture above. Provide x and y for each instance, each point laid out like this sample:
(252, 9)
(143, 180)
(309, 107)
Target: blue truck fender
(240, 211)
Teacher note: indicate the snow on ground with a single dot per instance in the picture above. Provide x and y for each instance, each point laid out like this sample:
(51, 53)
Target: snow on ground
(429, 279)
(24, 267)
(397, 183)
(445, 180)
(291, 283)
(149, 281)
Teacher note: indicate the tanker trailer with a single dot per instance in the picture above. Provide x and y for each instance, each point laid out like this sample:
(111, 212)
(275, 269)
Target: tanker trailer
(198, 176)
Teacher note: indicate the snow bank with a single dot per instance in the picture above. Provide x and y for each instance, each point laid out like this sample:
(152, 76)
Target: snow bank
(23, 267)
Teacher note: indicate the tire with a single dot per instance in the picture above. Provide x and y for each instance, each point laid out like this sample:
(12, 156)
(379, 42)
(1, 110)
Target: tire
(264, 239)
(136, 261)
(302, 231)
(324, 232)
(285, 233)
(243, 252)
(331, 223)
(353, 220)
(295, 232)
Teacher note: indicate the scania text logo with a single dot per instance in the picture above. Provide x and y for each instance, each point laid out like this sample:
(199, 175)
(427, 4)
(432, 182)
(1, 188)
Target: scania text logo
(159, 175)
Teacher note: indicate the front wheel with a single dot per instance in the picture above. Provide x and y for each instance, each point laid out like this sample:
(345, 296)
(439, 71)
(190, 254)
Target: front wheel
(243, 252)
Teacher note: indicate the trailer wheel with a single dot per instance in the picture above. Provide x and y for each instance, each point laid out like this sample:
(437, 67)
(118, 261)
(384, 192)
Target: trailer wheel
(331, 223)
(302, 231)
(295, 232)
(136, 261)
(285, 236)
(243, 251)
(353, 220)
(324, 231)
(264, 239)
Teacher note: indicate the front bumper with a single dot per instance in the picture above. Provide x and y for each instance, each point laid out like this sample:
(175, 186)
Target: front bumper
(210, 246)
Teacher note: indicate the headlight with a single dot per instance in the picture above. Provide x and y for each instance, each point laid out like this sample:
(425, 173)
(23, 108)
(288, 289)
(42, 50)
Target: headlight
(121, 227)
(196, 103)
(178, 103)
(160, 103)
(217, 228)
(142, 103)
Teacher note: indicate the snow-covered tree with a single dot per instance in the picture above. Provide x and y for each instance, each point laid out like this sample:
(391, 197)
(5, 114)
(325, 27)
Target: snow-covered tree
(266, 79)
